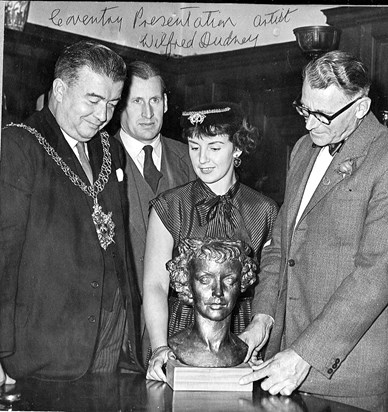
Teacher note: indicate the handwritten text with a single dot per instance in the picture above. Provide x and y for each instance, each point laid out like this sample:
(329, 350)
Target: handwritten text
(274, 17)
(208, 19)
(169, 43)
(102, 19)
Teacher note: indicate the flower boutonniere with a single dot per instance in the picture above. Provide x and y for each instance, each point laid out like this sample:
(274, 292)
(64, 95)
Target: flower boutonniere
(346, 168)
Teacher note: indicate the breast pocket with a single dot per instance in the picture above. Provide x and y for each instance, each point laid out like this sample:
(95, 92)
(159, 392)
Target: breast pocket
(347, 209)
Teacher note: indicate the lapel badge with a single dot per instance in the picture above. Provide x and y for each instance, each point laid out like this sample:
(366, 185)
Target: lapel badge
(325, 181)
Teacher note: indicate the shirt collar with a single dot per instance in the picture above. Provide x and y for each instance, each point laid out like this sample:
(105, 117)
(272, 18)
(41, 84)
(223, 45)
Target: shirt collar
(72, 142)
(134, 147)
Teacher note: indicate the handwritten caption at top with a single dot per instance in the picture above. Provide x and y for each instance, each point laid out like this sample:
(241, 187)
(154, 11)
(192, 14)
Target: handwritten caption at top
(165, 32)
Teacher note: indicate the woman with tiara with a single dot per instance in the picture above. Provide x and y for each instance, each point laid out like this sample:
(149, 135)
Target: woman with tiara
(217, 205)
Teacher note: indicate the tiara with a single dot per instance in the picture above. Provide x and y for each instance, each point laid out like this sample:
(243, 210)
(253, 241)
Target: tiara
(199, 117)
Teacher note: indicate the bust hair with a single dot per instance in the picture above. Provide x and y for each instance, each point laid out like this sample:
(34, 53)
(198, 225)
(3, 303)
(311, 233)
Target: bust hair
(99, 58)
(219, 250)
(341, 69)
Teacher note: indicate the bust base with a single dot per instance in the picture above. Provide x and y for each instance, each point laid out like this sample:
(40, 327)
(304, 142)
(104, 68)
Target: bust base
(181, 377)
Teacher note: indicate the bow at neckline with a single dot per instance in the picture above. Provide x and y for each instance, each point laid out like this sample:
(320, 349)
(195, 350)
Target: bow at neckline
(212, 205)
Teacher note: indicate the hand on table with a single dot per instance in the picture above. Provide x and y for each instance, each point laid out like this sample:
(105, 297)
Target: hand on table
(158, 359)
(284, 373)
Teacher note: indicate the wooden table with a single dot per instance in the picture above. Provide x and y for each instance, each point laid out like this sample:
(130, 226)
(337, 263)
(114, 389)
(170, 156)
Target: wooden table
(131, 392)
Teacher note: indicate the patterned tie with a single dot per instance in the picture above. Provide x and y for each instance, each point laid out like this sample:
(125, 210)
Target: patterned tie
(85, 161)
(151, 173)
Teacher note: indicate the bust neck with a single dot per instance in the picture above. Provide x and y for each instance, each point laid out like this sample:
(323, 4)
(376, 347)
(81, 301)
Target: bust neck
(208, 344)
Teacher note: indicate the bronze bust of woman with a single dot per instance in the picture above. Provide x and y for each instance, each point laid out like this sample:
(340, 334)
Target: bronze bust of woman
(210, 274)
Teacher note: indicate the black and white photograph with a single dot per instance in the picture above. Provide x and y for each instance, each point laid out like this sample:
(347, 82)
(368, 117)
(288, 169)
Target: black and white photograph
(193, 206)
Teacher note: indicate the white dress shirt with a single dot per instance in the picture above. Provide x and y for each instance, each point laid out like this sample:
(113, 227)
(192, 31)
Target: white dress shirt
(135, 150)
(73, 143)
(321, 164)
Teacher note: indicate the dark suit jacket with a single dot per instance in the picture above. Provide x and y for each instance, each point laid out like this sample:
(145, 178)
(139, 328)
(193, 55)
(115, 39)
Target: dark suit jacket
(325, 281)
(52, 267)
(177, 170)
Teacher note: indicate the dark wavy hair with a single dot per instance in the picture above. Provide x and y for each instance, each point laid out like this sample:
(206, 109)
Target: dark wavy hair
(235, 125)
(99, 58)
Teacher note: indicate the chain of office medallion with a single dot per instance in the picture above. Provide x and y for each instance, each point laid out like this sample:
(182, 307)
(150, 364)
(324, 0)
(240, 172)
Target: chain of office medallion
(103, 177)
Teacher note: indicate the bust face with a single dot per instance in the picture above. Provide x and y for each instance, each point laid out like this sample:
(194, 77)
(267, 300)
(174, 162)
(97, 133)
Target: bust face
(215, 287)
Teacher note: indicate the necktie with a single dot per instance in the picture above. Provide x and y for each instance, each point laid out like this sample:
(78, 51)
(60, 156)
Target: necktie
(334, 148)
(151, 173)
(85, 161)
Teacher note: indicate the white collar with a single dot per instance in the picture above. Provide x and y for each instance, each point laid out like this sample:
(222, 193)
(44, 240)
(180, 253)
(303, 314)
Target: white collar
(72, 142)
(135, 148)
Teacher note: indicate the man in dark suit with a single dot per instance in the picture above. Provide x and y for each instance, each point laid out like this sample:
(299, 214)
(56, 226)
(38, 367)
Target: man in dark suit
(141, 119)
(68, 302)
(324, 279)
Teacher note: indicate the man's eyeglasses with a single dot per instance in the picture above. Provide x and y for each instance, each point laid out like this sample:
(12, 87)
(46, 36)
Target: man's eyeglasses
(323, 118)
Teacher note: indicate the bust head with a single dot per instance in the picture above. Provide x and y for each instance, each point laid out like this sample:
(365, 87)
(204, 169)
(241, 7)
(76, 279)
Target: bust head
(210, 274)
(194, 254)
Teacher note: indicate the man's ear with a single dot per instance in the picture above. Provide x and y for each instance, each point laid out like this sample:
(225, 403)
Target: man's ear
(58, 89)
(165, 105)
(363, 107)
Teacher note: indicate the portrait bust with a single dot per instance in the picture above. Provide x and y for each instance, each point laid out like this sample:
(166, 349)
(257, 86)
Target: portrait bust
(210, 274)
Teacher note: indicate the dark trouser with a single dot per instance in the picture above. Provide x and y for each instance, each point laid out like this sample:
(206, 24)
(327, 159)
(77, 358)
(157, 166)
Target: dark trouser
(110, 337)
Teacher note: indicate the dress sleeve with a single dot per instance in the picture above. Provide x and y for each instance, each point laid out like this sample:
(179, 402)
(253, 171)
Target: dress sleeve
(160, 204)
(168, 207)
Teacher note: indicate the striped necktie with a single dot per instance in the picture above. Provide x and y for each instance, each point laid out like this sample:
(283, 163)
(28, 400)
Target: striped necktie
(85, 161)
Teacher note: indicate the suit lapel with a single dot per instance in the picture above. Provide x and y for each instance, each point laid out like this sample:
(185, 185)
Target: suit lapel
(56, 139)
(355, 149)
(143, 193)
(138, 194)
(298, 179)
(168, 159)
(174, 169)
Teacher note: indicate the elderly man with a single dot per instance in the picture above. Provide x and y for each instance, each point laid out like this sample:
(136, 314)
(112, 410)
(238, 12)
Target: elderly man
(324, 279)
(68, 301)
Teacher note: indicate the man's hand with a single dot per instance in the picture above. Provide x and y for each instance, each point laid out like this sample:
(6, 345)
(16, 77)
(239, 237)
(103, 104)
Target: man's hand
(4, 378)
(256, 335)
(284, 372)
